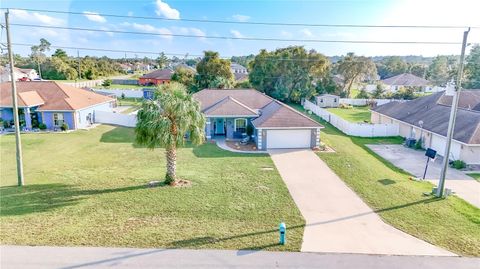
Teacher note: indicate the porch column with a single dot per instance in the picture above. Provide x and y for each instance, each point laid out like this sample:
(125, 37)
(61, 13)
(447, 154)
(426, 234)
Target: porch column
(208, 129)
(317, 138)
(259, 139)
(28, 118)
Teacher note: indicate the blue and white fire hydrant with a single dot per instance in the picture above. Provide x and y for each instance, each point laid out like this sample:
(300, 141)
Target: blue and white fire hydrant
(283, 233)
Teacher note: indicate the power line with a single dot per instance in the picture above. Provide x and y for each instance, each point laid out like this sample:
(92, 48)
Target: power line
(254, 22)
(239, 38)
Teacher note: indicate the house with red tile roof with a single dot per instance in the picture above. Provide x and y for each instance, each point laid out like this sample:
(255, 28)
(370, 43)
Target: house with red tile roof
(156, 77)
(52, 103)
(231, 113)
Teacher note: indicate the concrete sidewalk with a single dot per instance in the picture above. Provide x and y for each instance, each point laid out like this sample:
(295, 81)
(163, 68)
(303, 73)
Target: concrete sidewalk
(337, 220)
(25, 257)
(413, 161)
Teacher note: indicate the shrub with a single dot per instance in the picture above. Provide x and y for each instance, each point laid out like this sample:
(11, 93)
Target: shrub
(122, 96)
(249, 130)
(418, 144)
(64, 126)
(459, 164)
(345, 106)
(42, 126)
(107, 83)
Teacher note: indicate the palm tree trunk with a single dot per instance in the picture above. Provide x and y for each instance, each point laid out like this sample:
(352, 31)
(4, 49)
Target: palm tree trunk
(171, 154)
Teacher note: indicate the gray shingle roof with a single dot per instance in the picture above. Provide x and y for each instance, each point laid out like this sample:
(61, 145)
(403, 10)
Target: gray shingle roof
(273, 114)
(434, 111)
(406, 79)
(159, 74)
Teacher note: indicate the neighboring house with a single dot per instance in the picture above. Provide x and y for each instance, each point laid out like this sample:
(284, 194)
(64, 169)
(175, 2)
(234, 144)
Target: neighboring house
(232, 113)
(25, 74)
(53, 104)
(327, 100)
(239, 72)
(126, 67)
(406, 80)
(427, 118)
(156, 77)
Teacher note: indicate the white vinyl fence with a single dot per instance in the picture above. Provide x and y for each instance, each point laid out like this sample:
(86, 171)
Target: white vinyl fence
(118, 92)
(364, 102)
(85, 84)
(115, 118)
(350, 128)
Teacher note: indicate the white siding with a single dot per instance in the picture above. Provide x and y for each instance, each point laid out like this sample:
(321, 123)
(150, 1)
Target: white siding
(81, 116)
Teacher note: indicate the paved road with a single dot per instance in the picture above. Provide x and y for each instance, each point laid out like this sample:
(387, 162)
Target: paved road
(413, 161)
(337, 220)
(13, 257)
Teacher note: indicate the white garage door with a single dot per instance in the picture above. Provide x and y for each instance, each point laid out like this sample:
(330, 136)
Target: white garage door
(288, 139)
(438, 144)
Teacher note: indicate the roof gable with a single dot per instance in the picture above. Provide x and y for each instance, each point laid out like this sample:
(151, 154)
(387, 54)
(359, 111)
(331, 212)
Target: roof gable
(279, 115)
(229, 107)
(406, 79)
(159, 74)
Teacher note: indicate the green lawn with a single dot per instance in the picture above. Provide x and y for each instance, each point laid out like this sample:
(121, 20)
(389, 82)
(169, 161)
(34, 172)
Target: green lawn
(449, 223)
(129, 87)
(354, 114)
(129, 101)
(475, 176)
(87, 188)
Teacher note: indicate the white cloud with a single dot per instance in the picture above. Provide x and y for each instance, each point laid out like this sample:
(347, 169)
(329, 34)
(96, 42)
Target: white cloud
(36, 17)
(94, 16)
(241, 18)
(166, 33)
(197, 32)
(306, 32)
(106, 29)
(237, 34)
(286, 34)
(130, 13)
(164, 9)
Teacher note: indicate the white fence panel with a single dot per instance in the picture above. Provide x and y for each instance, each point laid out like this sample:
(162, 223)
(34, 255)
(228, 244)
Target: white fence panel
(350, 128)
(115, 118)
(127, 93)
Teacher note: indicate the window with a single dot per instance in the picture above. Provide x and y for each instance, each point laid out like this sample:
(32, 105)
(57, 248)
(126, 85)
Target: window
(241, 125)
(58, 119)
(335, 100)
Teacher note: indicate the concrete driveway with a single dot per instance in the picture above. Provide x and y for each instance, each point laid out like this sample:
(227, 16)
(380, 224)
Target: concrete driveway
(414, 161)
(337, 220)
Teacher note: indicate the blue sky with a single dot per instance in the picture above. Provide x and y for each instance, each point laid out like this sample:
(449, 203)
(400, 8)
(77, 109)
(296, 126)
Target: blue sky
(404, 12)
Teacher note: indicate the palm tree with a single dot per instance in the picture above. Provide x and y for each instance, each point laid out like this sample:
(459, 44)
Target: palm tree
(166, 120)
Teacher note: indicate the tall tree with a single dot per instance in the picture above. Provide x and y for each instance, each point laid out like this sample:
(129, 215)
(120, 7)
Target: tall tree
(211, 69)
(185, 76)
(472, 68)
(288, 74)
(162, 61)
(442, 69)
(419, 70)
(60, 54)
(392, 66)
(165, 120)
(355, 68)
(38, 53)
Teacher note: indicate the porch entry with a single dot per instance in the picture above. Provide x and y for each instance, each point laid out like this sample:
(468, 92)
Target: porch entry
(220, 126)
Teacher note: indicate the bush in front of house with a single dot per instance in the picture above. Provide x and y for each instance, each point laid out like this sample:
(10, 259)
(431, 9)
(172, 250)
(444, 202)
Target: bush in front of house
(459, 164)
(107, 83)
(64, 126)
(418, 144)
(42, 126)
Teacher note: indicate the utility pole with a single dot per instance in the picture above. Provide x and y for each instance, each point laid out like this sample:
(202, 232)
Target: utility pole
(18, 141)
(453, 115)
(78, 58)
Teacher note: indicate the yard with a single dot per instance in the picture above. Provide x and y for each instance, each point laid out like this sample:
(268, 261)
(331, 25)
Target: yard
(354, 114)
(124, 87)
(475, 176)
(449, 223)
(87, 188)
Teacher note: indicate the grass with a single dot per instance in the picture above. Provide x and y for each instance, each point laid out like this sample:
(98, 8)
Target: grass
(354, 114)
(476, 176)
(129, 101)
(87, 188)
(126, 87)
(449, 223)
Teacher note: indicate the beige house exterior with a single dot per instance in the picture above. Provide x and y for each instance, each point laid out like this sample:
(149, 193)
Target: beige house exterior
(469, 153)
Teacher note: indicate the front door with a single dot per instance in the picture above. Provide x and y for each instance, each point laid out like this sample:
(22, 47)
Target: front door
(219, 126)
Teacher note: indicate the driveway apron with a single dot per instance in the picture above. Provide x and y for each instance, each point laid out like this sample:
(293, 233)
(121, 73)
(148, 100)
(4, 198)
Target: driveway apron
(337, 220)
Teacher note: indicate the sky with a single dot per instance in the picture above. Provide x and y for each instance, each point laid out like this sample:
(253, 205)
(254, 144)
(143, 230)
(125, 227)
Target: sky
(373, 12)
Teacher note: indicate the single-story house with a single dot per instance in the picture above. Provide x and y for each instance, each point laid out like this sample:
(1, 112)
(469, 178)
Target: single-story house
(25, 74)
(427, 118)
(156, 77)
(406, 80)
(240, 73)
(52, 103)
(232, 113)
(327, 100)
